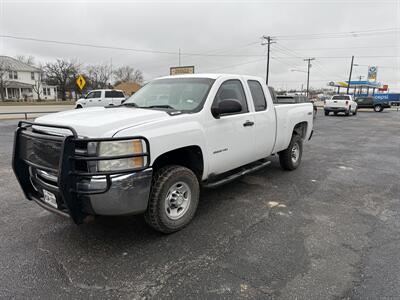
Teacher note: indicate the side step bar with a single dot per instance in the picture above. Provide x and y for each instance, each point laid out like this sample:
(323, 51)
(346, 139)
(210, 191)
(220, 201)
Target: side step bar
(236, 175)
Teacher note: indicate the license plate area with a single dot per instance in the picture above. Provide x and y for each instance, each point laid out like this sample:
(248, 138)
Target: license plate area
(49, 198)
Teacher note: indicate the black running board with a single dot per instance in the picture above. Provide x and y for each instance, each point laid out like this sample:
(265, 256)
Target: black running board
(237, 175)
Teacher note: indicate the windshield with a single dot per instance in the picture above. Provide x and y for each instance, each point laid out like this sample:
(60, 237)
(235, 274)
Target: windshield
(182, 94)
(340, 98)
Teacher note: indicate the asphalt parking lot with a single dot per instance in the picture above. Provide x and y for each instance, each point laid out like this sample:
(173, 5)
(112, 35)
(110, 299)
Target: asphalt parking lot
(328, 230)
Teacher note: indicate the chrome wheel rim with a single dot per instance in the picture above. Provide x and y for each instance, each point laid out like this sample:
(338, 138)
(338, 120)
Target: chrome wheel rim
(177, 201)
(295, 152)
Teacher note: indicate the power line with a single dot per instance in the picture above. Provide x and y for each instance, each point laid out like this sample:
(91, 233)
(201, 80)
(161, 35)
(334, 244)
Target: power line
(58, 42)
(351, 34)
(345, 48)
(235, 65)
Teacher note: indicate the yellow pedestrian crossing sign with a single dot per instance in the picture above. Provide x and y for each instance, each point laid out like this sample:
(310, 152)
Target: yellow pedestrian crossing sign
(81, 82)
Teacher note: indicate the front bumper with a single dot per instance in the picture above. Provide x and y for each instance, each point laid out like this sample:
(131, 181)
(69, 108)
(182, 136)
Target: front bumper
(128, 194)
(45, 162)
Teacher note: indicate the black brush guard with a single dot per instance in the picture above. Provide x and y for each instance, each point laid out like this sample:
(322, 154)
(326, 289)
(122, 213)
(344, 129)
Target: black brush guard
(67, 174)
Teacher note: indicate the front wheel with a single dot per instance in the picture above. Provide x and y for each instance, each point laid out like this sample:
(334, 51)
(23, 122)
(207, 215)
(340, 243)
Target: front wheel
(78, 106)
(173, 199)
(290, 158)
(326, 113)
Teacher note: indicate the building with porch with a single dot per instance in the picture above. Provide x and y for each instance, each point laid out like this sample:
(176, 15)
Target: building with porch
(23, 82)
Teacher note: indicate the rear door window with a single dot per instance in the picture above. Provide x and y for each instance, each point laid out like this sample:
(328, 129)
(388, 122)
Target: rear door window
(118, 94)
(114, 94)
(257, 94)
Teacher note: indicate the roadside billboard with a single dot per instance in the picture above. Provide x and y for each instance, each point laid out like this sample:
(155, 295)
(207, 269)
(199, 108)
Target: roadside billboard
(181, 70)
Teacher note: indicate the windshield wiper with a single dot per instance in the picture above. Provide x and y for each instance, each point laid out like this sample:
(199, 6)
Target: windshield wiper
(158, 106)
(130, 104)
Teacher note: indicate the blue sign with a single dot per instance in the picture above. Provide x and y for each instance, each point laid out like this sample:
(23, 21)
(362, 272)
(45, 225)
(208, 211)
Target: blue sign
(390, 97)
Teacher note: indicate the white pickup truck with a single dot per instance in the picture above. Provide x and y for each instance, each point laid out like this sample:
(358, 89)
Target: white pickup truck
(152, 154)
(340, 103)
(101, 98)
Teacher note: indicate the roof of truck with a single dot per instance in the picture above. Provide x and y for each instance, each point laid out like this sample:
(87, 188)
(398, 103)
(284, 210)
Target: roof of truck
(205, 75)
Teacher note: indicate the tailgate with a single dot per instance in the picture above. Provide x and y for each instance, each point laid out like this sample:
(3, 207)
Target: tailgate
(336, 103)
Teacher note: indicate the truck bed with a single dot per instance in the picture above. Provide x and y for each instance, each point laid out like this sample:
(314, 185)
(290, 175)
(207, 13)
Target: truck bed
(287, 115)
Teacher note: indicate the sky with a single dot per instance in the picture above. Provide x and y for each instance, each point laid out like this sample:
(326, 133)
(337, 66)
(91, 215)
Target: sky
(214, 36)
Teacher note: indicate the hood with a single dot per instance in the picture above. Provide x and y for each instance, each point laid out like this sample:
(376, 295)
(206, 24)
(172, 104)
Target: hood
(101, 121)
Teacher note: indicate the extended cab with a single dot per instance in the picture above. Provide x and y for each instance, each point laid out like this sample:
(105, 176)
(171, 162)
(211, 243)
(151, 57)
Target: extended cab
(152, 154)
(101, 98)
(340, 103)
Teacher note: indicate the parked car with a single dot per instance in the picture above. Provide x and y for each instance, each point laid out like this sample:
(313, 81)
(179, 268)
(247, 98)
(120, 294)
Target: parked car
(290, 99)
(370, 102)
(152, 154)
(340, 103)
(101, 98)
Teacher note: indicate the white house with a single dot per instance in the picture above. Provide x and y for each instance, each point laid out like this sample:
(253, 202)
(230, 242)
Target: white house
(21, 81)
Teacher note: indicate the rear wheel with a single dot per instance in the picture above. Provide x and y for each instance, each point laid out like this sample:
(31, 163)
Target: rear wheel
(355, 112)
(347, 113)
(290, 158)
(378, 108)
(173, 199)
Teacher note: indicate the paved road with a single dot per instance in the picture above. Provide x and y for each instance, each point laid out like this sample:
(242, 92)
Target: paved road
(30, 108)
(335, 233)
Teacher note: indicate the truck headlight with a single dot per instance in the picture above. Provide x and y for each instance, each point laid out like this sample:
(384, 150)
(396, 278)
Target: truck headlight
(121, 148)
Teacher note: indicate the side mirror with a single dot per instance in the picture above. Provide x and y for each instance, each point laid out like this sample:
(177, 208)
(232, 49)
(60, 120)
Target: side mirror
(227, 106)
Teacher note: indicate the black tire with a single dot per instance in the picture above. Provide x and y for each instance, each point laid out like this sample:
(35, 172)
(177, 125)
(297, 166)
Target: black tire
(326, 113)
(335, 113)
(163, 180)
(347, 113)
(285, 156)
(355, 112)
(78, 106)
(378, 108)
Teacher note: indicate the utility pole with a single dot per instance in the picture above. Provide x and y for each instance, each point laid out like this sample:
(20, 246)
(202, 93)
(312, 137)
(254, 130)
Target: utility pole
(360, 91)
(351, 71)
(179, 56)
(308, 60)
(267, 40)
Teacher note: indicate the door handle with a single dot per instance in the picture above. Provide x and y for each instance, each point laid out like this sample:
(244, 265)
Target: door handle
(248, 123)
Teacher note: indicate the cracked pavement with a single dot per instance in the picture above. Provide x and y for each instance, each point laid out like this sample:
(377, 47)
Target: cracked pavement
(329, 230)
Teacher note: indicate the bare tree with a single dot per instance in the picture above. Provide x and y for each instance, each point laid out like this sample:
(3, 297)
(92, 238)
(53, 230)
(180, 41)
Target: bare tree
(128, 74)
(38, 88)
(98, 75)
(4, 69)
(29, 60)
(61, 73)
